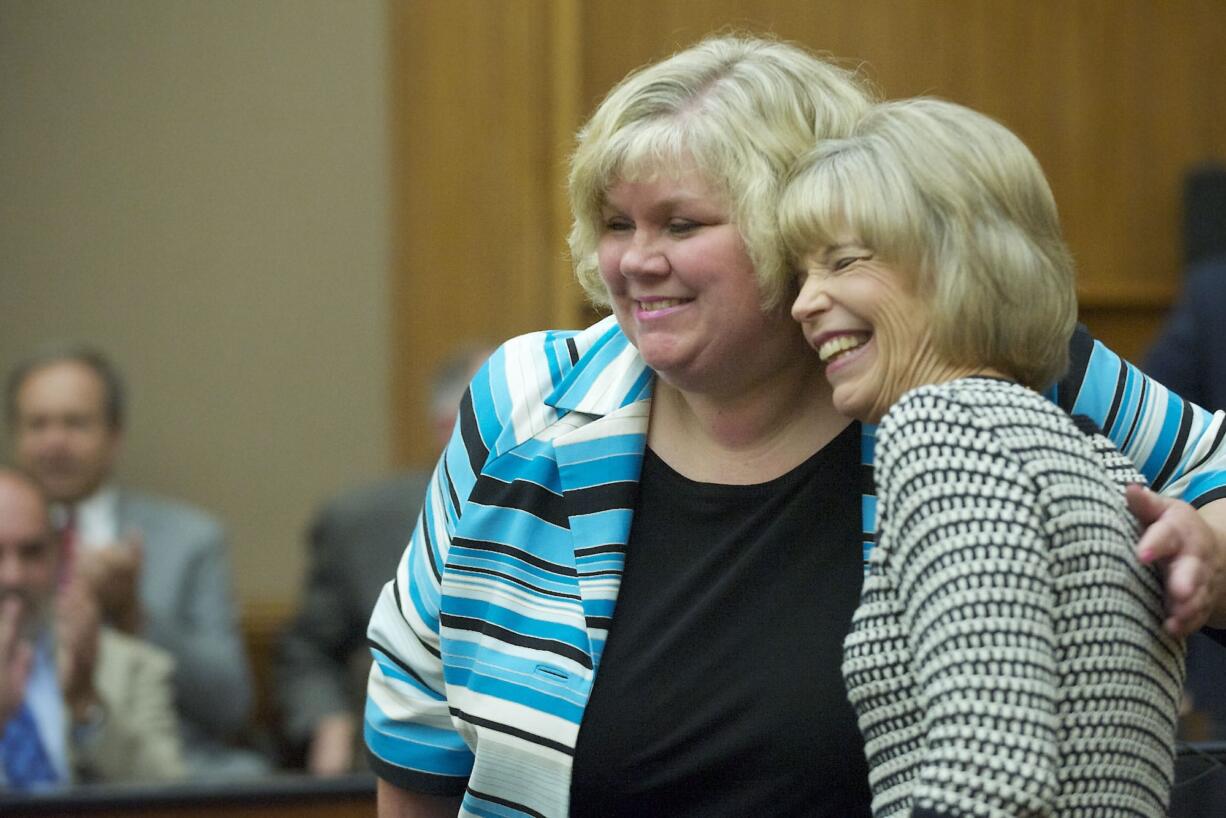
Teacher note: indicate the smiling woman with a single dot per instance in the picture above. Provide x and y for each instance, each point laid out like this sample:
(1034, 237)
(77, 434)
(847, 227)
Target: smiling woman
(1004, 535)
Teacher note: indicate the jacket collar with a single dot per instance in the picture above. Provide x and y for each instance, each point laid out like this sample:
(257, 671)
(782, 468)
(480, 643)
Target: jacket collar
(608, 374)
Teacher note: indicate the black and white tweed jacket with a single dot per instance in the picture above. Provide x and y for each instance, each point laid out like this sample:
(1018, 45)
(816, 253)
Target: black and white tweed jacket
(1008, 657)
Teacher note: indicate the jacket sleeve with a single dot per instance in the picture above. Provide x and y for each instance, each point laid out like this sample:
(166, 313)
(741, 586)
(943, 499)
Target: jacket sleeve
(410, 738)
(1177, 445)
(138, 737)
(213, 678)
(983, 650)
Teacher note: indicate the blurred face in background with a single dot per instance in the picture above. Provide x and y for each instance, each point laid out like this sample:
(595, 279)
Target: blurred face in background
(27, 551)
(62, 435)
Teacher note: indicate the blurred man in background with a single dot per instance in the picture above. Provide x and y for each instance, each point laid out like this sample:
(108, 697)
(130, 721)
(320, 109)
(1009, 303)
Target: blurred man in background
(155, 568)
(78, 701)
(355, 543)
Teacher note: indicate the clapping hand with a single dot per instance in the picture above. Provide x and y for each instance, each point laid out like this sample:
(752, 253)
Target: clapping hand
(113, 574)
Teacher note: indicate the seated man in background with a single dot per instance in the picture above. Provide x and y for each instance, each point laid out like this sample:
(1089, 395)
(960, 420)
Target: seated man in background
(355, 541)
(156, 568)
(79, 702)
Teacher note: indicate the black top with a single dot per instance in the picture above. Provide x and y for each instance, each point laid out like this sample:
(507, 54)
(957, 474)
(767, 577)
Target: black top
(720, 691)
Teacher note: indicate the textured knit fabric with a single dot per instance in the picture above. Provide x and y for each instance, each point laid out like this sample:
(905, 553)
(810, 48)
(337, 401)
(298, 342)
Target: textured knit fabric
(487, 641)
(1008, 656)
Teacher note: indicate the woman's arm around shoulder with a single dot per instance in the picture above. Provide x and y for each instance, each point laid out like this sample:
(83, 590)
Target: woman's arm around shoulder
(1181, 449)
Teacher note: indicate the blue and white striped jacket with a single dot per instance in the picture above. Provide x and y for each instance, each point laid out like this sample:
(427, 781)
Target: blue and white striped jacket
(487, 640)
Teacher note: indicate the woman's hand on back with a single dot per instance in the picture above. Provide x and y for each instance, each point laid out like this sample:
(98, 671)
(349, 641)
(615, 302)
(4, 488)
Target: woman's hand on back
(1189, 546)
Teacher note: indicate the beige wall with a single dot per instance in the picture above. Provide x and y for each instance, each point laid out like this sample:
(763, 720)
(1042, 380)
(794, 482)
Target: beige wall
(201, 188)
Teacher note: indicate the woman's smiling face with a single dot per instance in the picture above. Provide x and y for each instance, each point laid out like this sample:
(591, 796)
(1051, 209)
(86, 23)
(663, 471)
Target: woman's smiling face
(868, 326)
(682, 284)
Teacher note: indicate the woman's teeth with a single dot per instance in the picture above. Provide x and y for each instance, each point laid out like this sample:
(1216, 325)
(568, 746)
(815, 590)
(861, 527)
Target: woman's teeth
(838, 345)
(661, 304)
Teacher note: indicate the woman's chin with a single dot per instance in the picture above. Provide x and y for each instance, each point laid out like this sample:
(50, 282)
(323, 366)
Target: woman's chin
(854, 406)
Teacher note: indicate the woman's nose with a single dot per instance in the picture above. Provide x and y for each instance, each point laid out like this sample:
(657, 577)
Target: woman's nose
(644, 256)
(811, 300)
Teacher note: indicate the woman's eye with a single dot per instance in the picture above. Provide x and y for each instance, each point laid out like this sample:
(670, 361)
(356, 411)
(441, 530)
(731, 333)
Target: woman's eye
(843, 262)
(680, 227)
(617, 225)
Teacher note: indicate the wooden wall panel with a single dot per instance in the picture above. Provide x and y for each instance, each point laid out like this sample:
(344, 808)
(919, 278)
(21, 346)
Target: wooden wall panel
(1116, 97)
(478, 247)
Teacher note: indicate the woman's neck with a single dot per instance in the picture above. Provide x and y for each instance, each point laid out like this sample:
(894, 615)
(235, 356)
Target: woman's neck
(751, 435)
(922, 367)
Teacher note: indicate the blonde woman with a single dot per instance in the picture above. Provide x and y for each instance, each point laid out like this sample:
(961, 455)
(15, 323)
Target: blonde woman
(1008, 656)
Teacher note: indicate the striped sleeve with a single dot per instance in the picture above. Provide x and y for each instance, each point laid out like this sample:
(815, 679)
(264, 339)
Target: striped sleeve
(410, 738)
(970, 563)
(1176, 444)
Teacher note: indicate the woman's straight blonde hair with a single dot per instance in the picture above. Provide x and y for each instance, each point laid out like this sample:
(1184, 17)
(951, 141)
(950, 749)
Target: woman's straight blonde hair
(956, 200)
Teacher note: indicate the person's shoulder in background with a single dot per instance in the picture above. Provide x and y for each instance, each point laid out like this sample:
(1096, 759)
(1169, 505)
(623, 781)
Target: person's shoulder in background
(172, 523)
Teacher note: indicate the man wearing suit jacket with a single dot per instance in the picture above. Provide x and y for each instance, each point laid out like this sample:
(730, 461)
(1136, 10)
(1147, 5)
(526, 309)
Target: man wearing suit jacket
(355, 543)
(78, 702)
(321, 662)
(157, 568)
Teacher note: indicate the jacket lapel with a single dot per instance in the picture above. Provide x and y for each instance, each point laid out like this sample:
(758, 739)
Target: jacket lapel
(599, 465)
(600, 406)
